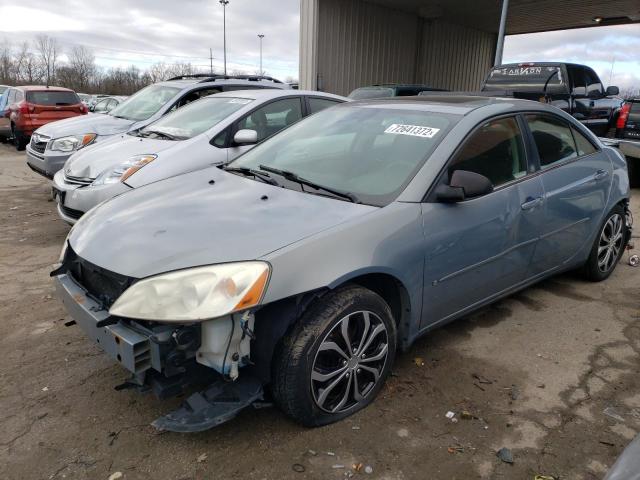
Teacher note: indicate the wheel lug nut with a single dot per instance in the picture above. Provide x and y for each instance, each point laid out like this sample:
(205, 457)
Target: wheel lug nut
(358, 370)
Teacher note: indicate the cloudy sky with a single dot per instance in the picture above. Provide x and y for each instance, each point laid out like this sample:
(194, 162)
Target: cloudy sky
(143, 32)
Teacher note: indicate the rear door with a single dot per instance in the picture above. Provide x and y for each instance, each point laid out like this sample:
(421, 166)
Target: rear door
(481, 247)
(576, 177)
(49, 105)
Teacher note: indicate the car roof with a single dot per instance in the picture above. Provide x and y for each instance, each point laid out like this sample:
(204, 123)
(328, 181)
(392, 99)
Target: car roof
(29, 88)
(457, 104)
(268, 93)
(249, 81)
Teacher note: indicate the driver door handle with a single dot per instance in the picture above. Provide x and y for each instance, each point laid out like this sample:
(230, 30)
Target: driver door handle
(600, 174)
(531, 203)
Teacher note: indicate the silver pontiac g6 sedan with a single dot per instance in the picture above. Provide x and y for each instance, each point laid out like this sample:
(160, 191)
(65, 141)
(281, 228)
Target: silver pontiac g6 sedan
(301, 268)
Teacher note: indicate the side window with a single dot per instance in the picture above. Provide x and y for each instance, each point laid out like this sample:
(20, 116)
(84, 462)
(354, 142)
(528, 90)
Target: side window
(577, 80)
(12, 97)
(101, 106)
(584, 146)
(495, 150)
(406, 92)
(594, 86)
(273, 117)
(19, 96)
(220, 140)
(195, 95)
(553, 139)
(316, 104)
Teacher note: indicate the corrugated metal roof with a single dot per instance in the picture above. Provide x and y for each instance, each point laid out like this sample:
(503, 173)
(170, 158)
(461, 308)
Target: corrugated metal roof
(525, 16)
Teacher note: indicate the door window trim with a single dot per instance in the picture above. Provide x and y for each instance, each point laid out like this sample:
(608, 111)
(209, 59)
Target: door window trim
(571, 127)
(429, 197)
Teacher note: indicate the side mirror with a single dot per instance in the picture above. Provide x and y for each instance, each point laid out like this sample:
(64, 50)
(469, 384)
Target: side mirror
(245, 137)
(92, 108)
(612, 91)
(463, 185)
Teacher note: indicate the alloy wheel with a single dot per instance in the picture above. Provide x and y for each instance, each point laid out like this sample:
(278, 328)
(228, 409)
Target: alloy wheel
(611, 239)
(349, 362)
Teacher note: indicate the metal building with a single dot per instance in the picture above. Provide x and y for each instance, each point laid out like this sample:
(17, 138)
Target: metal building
(345, 44)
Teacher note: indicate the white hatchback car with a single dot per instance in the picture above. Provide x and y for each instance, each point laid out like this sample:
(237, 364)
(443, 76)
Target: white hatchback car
(213, 130)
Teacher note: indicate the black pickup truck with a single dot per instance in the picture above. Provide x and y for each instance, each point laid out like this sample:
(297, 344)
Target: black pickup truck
(576, 89)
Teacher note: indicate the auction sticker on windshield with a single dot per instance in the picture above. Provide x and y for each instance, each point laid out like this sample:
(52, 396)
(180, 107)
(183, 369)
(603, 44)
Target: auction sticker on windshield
(413, 130)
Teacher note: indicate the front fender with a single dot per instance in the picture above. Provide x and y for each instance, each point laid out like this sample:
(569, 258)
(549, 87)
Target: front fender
(389, 240)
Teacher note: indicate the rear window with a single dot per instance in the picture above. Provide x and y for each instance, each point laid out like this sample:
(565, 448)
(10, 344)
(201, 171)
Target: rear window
(52, 98)
(526, 79)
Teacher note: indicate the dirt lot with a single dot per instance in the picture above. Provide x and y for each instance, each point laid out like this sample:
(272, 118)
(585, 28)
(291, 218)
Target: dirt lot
(536, 371)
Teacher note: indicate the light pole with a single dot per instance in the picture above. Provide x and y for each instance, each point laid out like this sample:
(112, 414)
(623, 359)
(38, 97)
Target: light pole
(261, 36)
(224, 4)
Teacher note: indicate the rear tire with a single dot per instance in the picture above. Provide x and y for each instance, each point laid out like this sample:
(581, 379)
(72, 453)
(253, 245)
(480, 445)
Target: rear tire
(608, 246)
(336, 358)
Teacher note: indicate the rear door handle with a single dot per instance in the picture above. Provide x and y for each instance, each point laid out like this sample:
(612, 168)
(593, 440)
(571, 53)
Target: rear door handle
(531, 203)
(600, 174)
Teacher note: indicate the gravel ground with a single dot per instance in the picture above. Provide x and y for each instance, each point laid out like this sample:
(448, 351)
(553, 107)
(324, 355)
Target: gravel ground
(535, 371)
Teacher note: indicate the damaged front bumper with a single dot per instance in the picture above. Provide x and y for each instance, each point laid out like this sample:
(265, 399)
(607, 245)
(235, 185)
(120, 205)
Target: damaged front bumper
(168, 358)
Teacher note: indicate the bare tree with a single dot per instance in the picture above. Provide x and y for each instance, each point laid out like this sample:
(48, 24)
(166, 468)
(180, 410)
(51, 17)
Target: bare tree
(48, 51)
(28, 68)
(82, 66)
(6, 63)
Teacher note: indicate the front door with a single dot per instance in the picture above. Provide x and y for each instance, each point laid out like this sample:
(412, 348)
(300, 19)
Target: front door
(481, 247)
(266, 121)
(576, 177)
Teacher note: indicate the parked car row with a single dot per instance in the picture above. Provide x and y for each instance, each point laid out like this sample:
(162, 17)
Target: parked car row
(265, 241)
(54, 144)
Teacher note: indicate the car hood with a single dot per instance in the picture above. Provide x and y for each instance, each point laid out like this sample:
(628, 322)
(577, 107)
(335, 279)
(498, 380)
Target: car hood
(188, 221)
(91, 123)
(91, 161)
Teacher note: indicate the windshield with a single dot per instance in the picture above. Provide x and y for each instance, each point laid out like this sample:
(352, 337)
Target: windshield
(196, 117)
(525, 78)
(371, 92)
(370, 151)
(145, 103)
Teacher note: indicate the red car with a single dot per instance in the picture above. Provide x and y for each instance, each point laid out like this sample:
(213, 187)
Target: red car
(30, 107)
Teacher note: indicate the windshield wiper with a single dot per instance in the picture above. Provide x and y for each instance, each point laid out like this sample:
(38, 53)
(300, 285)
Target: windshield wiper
(294, 177)
(162, 134)
(254, 173)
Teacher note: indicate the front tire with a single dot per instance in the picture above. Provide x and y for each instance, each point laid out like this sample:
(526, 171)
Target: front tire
(608, 246)
(336, 358)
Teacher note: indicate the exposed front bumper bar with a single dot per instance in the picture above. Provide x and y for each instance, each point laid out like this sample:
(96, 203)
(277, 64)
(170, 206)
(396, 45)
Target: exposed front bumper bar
(131, 349)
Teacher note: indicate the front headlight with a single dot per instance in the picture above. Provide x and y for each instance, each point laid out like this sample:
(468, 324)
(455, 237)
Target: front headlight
(121, 172)
(72, 142)
(195, 294)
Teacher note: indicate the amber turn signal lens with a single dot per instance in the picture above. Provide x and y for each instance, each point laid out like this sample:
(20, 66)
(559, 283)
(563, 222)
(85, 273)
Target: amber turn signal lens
(254, 295)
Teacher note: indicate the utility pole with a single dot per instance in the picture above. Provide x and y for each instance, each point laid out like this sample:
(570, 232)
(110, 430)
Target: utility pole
(503, 23)
(261, 36)
(613, 62)
(211, 61)
(224, 4)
